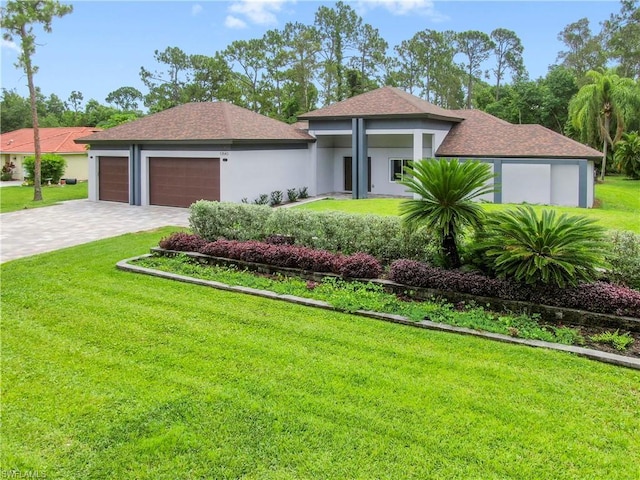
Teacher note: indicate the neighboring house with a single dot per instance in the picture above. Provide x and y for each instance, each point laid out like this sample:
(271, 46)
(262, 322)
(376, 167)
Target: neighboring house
(16, 145)
(218, 151)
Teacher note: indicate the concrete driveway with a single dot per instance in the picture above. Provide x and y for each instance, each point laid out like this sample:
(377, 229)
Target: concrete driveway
(39, 230)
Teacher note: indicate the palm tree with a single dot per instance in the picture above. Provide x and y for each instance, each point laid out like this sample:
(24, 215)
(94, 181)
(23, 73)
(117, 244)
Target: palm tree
(446, 190)
(627, 155)
(609, 103)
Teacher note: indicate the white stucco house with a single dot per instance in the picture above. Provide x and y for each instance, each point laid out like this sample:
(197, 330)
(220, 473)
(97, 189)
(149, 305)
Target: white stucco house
(218, 151)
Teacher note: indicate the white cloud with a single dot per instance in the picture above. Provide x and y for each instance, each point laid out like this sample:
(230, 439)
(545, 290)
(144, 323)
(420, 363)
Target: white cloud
(9, 45)
(196, 9)
(260, 12)
(234, 22)
(405, 7)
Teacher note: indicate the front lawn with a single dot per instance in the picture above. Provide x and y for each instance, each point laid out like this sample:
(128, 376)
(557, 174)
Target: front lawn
(619, 205)
(21, 197)
(108, 374)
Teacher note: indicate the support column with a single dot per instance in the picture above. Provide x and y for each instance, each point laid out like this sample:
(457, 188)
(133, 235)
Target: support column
(93, 177)
(417, 152)
(417, 145)
(583, 173)
(134, 175)
(363, 164)
(359, 164)
(497, 170)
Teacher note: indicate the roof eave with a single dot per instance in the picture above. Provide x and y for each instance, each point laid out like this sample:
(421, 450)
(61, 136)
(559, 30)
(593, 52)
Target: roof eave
(383, 116)
(502, 155)
(216, 141)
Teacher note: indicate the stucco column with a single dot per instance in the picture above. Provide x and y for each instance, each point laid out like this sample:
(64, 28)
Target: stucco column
(363, 164)
(583, 174)
(313, 174)
(497, 170)
(417, 152)
(92, 180)
(134, 175)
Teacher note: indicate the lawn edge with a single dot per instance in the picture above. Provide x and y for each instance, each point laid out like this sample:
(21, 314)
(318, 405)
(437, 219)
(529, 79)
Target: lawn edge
(597, 355)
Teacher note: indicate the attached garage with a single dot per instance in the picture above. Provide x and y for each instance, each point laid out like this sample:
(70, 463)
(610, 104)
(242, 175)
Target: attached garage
(179, 182)
(113, 175)
(200, 151)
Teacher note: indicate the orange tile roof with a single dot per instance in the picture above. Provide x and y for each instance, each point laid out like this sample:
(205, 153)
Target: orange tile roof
(380, 103)
(203, 121)
(483, 135)
(52, 140)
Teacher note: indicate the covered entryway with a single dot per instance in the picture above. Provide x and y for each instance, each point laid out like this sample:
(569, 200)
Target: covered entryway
(113, 179)
(179, 182)
(348, 174)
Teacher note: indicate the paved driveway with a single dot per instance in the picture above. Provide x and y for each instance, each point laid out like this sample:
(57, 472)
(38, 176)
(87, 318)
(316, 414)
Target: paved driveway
(38, 230)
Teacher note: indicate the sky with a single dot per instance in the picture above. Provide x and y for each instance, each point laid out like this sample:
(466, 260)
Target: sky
(101, 45)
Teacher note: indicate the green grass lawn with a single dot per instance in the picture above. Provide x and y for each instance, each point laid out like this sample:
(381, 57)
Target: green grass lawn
(19, 198)
(108, 374)
(619, 207)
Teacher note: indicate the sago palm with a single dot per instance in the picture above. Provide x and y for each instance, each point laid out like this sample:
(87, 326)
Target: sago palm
(549, 249)
(607, 104)
(445, 191)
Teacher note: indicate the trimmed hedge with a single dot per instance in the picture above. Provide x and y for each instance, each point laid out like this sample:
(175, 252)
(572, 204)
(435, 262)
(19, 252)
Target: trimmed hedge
(598, 297)
(359, 265)
(385, 238)
(624, 259)
(182, 242)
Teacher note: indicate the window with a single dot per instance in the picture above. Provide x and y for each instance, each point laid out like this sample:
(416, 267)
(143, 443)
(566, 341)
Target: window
(396, 168)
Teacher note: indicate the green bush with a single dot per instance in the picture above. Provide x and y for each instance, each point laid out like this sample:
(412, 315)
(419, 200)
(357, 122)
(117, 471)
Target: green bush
(51, 166)
(624, 259)
(384, 237)
(550, 249)
(627, 155)
(233, 221)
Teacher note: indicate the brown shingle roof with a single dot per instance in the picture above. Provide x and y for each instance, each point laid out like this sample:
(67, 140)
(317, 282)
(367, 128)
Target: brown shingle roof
(52, 140)
(382, 102)
(483, 135)
(204, 121)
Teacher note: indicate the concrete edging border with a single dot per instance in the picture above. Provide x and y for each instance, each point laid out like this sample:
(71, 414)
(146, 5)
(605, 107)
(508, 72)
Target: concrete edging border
(611, 358)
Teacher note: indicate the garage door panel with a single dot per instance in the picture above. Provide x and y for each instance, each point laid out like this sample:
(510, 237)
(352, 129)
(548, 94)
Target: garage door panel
(179, 182)
(113, 179)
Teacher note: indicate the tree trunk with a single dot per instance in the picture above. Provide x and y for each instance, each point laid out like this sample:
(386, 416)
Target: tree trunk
(604, 147)
(450, 250)
(37, 188)
(469, 87)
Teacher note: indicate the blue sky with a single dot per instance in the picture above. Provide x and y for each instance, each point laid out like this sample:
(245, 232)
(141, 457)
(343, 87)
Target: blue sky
(102, 44)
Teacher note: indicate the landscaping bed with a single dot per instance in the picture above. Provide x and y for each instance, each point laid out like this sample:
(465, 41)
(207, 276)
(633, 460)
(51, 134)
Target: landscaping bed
(162, 377)
(568, 326)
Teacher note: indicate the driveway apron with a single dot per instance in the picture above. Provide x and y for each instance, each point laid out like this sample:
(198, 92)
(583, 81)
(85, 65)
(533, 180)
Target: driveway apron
(29, 232)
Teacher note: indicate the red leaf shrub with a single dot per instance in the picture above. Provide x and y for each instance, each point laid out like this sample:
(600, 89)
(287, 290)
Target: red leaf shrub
(599, 297)
(284, 255)
(182, 242)
(219, 248)
(359, 265)
(251, 251)
(318, 260)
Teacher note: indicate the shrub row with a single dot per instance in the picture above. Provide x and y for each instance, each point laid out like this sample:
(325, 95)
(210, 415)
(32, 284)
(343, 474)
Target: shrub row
(624, 259)
(598, 297)
(359, 265)
(384, 237)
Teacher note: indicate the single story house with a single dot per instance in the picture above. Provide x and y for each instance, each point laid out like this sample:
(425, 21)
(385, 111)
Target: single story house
(218, 151)
(16, 145)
